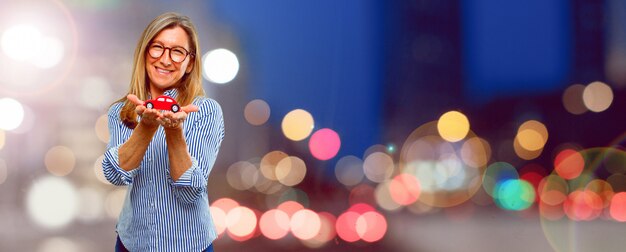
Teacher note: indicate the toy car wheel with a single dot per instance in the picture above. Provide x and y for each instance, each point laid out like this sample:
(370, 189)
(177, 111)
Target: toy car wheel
(149, 105)
(175, 108)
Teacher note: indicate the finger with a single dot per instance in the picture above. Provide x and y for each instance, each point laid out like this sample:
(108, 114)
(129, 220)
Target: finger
(190, 108)
(134, 99)
(140, 110)
(179, 116)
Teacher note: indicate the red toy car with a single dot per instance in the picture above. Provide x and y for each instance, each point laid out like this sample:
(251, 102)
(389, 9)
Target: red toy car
(163, 102)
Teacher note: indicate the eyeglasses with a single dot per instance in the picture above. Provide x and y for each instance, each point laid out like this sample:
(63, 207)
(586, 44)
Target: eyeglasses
(177, 53)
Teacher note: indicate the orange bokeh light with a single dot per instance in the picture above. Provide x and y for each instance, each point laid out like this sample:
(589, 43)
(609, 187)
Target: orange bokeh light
(618, 207)
(569, 164)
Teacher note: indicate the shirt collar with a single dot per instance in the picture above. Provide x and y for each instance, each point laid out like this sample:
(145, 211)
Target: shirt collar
(170, 92)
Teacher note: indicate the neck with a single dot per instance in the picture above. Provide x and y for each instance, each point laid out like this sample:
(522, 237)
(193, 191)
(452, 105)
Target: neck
(156, 92)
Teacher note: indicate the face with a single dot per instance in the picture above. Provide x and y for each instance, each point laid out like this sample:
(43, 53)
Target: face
(164, 72)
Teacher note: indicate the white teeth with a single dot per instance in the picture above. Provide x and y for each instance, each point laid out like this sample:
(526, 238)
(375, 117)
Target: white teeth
(162, 70)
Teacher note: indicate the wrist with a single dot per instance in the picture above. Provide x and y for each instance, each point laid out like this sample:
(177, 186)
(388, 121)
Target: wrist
(148, 126)
(173, 130)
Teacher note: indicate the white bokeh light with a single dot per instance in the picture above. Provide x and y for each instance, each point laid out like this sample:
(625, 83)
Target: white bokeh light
(220, 66)
(52, 202)
(49, 54)
(12, 114)
(19, 41)
(55, 244)
(91, 207)
(96, 93)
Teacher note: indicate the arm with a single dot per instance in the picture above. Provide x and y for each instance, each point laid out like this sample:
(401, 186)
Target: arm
(123, 155)
(132, 151)
(193, 154)
(179, 157)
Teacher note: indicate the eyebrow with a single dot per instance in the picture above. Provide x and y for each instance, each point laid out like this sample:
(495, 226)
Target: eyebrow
(158, 41)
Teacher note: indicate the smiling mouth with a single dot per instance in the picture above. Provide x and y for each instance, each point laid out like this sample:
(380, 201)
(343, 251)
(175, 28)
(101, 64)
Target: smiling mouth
(163, 71)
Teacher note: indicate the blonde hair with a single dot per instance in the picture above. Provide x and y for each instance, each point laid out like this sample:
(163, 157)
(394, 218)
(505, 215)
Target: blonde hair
(189, 86)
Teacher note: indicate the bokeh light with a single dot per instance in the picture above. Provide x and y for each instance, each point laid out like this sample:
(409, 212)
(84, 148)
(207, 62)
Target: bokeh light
(25, 42)
(476, 152)
(362, 193)
(269, 163)
(290, 171)
(2, 138)
(12, 114)
(242, 175)
(383, 197)
(523, 153)
(378, 167)
(220, 66)
(91, 204)
(102, 128)
(114, 202)
(618, 207)
(4, 172)
(597, 96)
(274, 224)
(297, 124)
(498, 173)
(453, 126)
(219, 219)
(326, 233)
(514, 194)
(257, 112)
(95, 93)
(532, 135)
(349, 170)
(346, 226)
(241, 221)
(582, 205)
(19, 41)
(56, 244)
(569, 164)
(49, 52)
(305, 224)
(97, 169)
(60, 160)
(404, 189)
(52, 202)
(324, 144)
(573, 99)
(371, 226)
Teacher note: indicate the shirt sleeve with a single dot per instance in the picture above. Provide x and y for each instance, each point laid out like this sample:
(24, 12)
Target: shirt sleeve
(113, 172)
(203, 143)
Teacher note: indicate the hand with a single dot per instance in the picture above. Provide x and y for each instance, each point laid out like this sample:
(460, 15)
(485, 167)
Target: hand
(149, 117)
(170, 120)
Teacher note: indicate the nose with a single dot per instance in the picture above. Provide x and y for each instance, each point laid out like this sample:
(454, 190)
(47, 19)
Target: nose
(165, 57)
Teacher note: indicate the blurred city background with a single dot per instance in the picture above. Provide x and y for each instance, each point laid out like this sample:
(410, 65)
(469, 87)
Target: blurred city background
(415, 125)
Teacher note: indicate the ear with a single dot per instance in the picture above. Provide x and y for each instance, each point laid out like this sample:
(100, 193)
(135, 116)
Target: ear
(189, 67)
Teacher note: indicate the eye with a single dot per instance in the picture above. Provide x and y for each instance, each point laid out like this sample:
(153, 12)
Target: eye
(156, 47)
(179, 51)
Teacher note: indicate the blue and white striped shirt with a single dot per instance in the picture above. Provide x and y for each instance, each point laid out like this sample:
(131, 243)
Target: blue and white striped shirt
(160, 214)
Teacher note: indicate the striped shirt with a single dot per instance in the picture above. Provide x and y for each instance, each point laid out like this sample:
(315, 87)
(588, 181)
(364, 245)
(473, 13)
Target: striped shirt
(158, 213)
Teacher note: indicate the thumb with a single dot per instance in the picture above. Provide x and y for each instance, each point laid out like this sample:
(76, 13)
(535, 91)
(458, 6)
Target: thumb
(133, 98)
(190, 108)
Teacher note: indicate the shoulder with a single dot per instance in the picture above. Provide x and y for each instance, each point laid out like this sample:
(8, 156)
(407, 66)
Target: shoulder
(114, 110)
(207, 105)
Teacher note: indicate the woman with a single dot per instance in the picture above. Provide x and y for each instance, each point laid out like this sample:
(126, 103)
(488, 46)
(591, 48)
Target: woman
(164, 157)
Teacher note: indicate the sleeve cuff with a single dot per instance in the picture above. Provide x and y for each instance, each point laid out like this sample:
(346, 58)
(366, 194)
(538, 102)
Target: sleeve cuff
(113, 156)
(190, 178)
